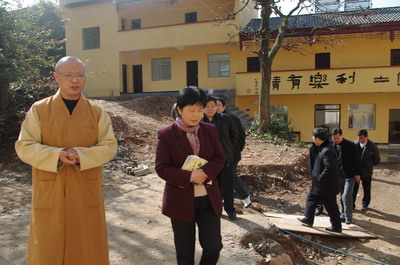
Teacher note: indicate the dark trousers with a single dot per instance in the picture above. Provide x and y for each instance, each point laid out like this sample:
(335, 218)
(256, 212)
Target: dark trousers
(209, 226)
(225, 181)
(366, 184)
(238, 184)
(331, 207)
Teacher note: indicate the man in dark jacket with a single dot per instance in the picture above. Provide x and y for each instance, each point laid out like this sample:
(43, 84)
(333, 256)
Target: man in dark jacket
(228, 136)
(349, 169)
(325, 181)
(369, 156)
(238, 184)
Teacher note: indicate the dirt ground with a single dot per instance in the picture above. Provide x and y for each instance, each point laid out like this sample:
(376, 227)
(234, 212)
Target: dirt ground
(140, 234)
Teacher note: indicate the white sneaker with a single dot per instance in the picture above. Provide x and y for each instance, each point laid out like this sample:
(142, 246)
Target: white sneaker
(247, 202)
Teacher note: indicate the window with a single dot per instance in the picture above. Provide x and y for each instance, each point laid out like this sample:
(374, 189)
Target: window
(323, 60)
(395, 57)
(253, 64)
(362, 116)
(136, 23)
(91, 38)
(161, 69)
(191, 17)
(327, 116)
(280, 110)
(219, 65)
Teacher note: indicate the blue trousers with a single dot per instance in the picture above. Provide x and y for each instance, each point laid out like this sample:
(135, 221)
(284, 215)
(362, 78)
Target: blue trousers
(346, 200)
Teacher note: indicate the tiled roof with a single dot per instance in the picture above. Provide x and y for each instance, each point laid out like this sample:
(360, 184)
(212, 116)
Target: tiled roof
(84, 2)
(336, 19)
(141, 1)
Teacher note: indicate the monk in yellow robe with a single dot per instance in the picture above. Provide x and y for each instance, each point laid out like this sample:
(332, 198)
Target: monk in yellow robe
(66, 139)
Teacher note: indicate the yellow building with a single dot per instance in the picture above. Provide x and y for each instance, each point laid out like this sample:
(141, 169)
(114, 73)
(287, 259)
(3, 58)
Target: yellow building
(348, 76)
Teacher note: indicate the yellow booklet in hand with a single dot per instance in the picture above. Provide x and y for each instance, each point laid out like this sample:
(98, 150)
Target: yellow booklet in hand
(193, 162)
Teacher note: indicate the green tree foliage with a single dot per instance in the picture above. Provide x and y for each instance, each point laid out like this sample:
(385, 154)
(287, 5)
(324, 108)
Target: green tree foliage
(279, 131)
(31, 41)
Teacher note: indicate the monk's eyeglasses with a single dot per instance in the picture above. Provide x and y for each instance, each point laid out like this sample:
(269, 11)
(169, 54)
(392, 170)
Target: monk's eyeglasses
(71, 76)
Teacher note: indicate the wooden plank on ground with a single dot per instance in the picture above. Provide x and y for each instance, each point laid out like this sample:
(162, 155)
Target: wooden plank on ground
(290, 223)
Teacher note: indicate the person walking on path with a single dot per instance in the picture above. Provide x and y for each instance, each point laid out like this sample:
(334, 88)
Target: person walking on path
(66, 139)
(191, 197)
(369, 156)
(324, 172)
(228, 136)
(238, 184)
(349, 169)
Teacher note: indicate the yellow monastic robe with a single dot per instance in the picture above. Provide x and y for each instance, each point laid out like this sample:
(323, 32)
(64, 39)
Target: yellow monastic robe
(67, 221)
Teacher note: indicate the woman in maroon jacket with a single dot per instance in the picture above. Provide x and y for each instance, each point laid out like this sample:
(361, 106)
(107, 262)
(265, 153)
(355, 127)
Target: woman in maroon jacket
(191, 197)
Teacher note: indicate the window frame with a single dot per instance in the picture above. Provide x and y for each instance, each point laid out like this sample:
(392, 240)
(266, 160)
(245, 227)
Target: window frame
(157, 71)
(138, 22)
(92, 37)
(361, 113)
(218, 65)
(280, 110)
(394, 54)
(323, 60)
(252, 63)
(191, 17)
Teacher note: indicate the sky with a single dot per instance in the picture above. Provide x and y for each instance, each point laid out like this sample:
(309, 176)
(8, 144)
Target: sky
(286, 3)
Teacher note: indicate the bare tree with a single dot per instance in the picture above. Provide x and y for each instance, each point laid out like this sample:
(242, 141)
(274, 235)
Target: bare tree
(267, 54)
(271, 38)
(270, 41)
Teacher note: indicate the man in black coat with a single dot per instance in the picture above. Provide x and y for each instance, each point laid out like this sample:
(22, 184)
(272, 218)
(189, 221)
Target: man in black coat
(349, 169)
(369, 156)
(238, 185)
(325, 181)
(228, 137)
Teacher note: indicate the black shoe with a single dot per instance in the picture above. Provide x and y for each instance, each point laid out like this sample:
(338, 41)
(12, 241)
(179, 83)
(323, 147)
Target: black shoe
(333, 229)
(319, 210)
(304, 221)
(348, 222)
(232, 216)
(364, 208)
(342, 219)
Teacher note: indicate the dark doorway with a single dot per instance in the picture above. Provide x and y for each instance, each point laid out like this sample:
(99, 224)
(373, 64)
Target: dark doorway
(192, 73)
(124, 78)
(394, 126)
(137, 79)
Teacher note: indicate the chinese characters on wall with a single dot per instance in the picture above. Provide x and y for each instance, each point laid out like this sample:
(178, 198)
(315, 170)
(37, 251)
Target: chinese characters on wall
(320, 81)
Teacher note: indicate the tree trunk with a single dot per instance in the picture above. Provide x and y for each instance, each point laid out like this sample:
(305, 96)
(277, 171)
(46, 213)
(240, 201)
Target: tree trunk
(4, 94)
(264, 102)
(265, 65)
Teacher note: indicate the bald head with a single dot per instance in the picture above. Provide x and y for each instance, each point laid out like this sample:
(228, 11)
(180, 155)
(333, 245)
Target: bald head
(66, 59)
(70, 77)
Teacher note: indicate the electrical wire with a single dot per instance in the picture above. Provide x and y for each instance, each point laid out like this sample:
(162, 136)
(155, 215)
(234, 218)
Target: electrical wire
(335, 250)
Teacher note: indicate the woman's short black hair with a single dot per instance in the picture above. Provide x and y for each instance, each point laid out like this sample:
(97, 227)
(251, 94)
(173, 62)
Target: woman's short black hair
(321, 133)
(191, 96)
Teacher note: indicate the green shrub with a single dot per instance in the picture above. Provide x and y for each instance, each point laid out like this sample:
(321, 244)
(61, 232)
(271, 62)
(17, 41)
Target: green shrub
(279, 132)
(11, 118)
